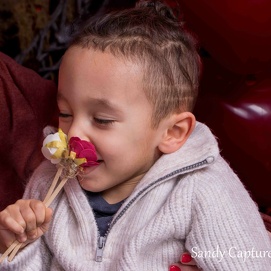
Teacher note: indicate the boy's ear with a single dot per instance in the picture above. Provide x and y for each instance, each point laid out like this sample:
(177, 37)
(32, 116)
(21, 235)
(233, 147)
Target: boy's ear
(178, 128)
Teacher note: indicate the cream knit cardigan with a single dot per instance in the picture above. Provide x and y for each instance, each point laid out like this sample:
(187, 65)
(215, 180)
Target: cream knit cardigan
(188, 201)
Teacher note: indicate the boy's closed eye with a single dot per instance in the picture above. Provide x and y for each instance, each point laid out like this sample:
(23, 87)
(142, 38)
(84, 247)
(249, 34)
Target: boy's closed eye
(64, 115)
(103, 122)
(100, 121)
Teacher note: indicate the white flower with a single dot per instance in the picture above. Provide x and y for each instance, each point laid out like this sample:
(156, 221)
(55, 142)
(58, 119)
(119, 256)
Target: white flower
(54, 146)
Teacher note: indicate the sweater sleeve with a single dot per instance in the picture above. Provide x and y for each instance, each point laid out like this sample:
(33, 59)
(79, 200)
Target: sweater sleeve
(35, 256)
(227, 232)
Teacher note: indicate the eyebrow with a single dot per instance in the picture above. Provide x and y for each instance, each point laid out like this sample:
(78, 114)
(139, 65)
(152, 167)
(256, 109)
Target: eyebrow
(105, 104)
(96, 102)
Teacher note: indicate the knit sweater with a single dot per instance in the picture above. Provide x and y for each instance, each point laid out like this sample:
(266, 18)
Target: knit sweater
(189, 200)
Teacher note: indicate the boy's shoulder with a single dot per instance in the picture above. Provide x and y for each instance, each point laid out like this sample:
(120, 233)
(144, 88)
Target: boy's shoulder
(219, 187)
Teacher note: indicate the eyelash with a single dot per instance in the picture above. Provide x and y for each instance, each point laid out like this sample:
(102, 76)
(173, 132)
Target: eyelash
(101, 122)
(63, 115)
(104, 122)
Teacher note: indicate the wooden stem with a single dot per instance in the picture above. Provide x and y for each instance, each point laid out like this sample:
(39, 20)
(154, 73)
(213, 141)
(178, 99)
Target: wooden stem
(9, 250)
(54, 183)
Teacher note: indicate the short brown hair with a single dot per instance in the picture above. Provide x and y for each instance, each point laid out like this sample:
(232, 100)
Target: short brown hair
(151, 35)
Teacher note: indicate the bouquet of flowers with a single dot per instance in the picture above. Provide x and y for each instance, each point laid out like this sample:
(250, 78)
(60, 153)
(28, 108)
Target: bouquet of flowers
(70, 158)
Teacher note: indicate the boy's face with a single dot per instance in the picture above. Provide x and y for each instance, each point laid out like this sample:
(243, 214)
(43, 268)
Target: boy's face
(101, 100)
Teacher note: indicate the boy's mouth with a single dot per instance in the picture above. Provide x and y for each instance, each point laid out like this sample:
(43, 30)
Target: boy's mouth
(87, 170)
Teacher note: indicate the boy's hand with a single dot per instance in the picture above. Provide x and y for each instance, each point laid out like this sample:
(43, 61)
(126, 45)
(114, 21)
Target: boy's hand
(186, 264)
(26, 221)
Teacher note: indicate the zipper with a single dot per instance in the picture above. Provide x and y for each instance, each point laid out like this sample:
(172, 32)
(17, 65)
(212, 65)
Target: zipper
(102, 239)
(100, 248)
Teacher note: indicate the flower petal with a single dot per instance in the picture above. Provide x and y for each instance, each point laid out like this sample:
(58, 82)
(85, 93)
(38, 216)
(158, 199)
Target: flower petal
(83, 149)
(54, 145)
(89, 154)
(76, 145)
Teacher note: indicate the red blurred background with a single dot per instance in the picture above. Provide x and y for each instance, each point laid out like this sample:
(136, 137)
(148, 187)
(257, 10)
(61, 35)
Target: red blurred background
(235, 94)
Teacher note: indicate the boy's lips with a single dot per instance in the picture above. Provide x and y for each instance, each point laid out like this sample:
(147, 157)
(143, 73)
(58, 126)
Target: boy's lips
(87, 170)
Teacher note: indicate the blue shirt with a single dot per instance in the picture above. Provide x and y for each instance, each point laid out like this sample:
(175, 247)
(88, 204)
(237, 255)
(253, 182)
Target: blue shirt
(103, 211)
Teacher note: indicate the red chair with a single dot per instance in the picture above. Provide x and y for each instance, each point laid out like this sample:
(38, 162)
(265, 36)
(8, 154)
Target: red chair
(27, 104)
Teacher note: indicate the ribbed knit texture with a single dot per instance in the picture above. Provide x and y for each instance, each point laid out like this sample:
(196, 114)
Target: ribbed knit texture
(189, 200)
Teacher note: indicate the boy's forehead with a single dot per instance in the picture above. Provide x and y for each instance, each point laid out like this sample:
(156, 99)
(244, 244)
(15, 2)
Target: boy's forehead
(105, 66)
(106, 60)
(100, 72)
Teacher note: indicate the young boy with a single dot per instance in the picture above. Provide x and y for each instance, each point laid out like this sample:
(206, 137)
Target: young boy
(128, 83)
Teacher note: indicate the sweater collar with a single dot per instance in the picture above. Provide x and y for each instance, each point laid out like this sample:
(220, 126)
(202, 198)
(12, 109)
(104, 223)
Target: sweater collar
(200, 146)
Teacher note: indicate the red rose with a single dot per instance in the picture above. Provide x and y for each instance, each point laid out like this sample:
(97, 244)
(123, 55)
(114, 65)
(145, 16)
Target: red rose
(83, 149)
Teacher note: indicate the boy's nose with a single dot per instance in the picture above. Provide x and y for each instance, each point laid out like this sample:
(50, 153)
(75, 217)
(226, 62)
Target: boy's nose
(77, 130)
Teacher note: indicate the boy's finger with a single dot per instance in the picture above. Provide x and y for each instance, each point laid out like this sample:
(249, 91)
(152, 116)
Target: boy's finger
(45, 226)
(29, 218)
(48, 215)
(39, 209)
(15, 225)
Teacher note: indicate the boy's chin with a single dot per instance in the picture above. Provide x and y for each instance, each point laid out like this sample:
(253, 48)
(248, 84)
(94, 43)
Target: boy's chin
(92, 187)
